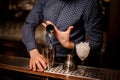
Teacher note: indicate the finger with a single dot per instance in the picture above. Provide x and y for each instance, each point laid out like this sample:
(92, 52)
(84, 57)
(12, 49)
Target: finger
(70, 28)
(49, 22)
(39, 66)
(55, 28)
(30, 65)
(43, 58)
(34, 66)
(43, 63)
(44, 24)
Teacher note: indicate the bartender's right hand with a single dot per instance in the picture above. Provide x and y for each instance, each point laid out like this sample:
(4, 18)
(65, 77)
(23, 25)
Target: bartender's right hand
(37, 60)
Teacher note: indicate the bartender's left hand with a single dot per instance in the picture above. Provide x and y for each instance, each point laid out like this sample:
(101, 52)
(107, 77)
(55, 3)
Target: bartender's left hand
(62, 36)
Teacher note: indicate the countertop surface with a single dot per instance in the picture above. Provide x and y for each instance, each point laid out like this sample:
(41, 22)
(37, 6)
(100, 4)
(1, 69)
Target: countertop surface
(20, 64)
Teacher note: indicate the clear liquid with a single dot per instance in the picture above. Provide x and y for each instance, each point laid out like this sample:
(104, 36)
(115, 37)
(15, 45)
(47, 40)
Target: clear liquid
(49, 55)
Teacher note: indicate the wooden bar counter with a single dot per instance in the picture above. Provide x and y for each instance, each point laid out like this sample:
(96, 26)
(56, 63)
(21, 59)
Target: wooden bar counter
(20, 64)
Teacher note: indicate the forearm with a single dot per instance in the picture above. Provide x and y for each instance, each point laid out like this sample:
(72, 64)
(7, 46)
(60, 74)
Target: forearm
(31, 22)
(69, 45)
(28, 37)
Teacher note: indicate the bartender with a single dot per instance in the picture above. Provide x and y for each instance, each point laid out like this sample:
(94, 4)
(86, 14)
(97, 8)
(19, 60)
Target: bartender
(72, 20)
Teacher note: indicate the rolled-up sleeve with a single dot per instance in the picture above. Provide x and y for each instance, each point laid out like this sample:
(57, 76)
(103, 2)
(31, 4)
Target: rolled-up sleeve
(31, 22)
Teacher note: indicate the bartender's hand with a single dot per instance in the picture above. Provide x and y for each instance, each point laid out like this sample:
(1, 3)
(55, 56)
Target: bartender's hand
(62, 36)
(37, 60)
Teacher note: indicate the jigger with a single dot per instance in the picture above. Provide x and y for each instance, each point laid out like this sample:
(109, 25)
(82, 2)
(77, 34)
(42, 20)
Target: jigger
(69, 64)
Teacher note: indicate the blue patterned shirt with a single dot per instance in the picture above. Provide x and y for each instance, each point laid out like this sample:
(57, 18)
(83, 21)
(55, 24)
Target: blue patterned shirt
(84, 15)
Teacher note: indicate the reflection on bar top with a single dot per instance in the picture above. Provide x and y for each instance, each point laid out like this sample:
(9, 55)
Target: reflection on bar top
(90, 72)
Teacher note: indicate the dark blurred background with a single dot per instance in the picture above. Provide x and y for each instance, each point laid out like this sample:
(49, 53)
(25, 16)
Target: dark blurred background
(12, 17)
(14, 12)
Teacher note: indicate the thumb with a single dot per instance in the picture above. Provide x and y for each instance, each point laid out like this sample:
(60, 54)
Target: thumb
(69, 29)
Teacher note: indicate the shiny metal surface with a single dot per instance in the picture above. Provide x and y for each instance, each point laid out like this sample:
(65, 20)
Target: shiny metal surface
(12, 30)
(69, 64)
(90, 72)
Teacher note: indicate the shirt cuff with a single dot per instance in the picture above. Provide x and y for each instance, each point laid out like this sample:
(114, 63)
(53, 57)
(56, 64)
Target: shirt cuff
(30, 46)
